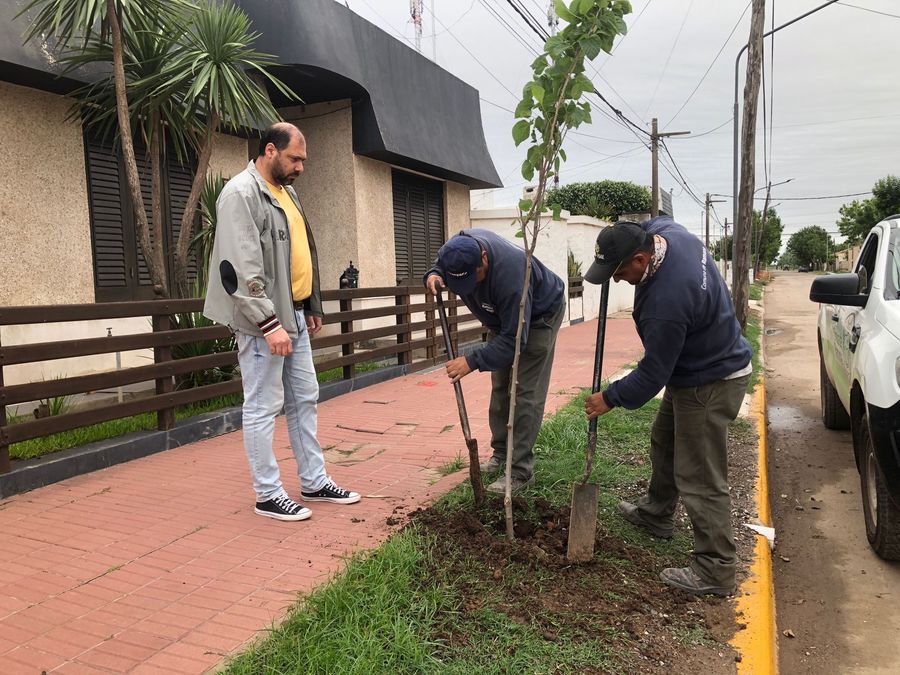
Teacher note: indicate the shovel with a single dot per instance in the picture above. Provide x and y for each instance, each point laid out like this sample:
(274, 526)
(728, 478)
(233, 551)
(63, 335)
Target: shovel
(583, 513)
(471, 443)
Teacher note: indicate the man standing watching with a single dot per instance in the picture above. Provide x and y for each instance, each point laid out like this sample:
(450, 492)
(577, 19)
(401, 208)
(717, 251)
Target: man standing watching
(264, 285)
(488, 272)
(694, 348)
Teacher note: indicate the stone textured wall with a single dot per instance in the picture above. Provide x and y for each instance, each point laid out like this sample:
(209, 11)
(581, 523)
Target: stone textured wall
(45, 236)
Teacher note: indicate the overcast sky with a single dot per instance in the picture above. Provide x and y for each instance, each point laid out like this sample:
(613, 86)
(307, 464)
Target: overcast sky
(836, 101)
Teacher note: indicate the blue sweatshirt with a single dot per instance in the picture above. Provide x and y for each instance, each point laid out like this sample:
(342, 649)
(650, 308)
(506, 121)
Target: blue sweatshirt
(495, 301)
(685, 318)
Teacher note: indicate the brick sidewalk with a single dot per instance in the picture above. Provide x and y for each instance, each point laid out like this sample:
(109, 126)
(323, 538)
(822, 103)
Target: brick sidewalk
(160, 565)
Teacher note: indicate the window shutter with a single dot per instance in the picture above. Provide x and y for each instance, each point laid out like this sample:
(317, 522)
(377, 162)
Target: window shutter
(418, 223)
(112, 264)
(179, 177)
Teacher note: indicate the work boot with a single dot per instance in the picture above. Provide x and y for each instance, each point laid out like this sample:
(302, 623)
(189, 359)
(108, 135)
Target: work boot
(630, 512)
(492, 465)
(687, 580)
(518, 484)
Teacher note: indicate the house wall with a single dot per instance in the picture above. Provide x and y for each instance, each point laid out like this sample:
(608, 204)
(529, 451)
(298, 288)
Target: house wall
(327, 186)
(50, 262)
(457, 207)
(229, 155)
(44, 220)
(375, 224)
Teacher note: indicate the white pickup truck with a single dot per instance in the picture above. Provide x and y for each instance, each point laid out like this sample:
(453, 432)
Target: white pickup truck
(859, 350)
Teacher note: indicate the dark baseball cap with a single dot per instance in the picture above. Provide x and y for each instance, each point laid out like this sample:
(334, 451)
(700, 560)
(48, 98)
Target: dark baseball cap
(615, 244)
(459, 258)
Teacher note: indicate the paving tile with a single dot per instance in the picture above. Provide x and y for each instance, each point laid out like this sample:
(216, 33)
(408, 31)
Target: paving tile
(157, 585)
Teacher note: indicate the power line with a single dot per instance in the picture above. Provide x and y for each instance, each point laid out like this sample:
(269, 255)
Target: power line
(866, 9)
(507, 27)
(477, 60)
(603, 138)
(669, 57)
(497, 105)
(716, 58)
(630, 30)
(803, 199)
(711, 131)
(529, 19)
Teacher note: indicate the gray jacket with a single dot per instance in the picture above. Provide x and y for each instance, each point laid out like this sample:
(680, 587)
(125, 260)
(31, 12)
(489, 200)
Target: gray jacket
(250, 266)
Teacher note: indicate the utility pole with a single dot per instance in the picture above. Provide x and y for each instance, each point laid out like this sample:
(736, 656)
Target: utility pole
(725, 251)
(708, 203)
(552, 19)
(740, 291)
(654, 149)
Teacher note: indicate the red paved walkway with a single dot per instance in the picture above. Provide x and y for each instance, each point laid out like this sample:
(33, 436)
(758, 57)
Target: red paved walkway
(160, 565)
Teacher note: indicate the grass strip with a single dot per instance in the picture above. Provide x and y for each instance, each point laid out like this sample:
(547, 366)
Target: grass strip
(401, 608)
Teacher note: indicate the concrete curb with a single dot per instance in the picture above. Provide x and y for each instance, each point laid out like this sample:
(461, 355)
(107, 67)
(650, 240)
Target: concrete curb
(757, 643)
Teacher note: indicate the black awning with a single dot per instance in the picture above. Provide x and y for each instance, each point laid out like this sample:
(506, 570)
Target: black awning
(406, 110)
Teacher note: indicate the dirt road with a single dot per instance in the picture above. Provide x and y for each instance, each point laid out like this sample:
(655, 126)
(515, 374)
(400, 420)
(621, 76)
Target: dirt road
(836, 597)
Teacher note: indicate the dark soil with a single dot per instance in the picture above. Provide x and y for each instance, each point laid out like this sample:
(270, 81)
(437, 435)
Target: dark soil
(616, 597)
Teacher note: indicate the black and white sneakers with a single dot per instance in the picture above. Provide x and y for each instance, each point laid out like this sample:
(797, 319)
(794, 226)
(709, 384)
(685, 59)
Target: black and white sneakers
(331, 493)
(282, 507)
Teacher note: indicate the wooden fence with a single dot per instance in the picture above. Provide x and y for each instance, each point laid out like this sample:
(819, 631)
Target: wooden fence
(412, 336)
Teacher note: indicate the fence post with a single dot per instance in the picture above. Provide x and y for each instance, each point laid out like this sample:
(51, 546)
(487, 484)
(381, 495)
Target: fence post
(403, 298)
(4, 446)
(165, 418)
(430, 332)
(349, 371)
(453, 325)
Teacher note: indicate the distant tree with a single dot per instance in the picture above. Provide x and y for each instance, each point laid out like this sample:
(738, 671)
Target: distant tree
(605, 199)
(725, 246)
(766, 242)
(859, 216)
(788, 260)
(811, 246)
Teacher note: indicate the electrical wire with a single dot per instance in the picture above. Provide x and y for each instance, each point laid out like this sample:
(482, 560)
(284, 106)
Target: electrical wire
(669, 58)
(475, 58)
(499, 18)
(630, 30)
(716, 58)
(805, 199)
(866, 9)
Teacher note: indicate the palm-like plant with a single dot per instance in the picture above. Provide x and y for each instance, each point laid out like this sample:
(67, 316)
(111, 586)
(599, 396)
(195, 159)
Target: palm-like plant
(180, 71)
(212, 65)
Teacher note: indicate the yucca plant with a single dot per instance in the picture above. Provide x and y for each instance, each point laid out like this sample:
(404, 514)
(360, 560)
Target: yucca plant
(180, 72)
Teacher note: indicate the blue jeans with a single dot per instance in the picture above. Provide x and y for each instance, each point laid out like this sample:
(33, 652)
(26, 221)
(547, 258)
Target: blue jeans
(271, 382)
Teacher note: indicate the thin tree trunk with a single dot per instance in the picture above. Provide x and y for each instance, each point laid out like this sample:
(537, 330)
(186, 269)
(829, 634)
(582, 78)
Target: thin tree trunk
(186, 233)
(514, 384)
(741, 292)
(157, 272)
(156, 224)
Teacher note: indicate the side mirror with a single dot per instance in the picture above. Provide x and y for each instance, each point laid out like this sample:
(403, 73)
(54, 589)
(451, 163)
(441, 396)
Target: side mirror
(838, 289)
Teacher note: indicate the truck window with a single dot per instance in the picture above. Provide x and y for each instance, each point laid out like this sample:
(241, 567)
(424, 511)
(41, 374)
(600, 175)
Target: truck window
(867, 260)
(892, 282)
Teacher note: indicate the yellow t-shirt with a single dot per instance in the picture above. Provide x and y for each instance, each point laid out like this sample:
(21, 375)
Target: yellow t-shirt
(301, 260)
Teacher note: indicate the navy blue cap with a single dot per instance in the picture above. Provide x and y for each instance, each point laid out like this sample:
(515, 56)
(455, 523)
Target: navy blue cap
(459, 258)
(615, 245)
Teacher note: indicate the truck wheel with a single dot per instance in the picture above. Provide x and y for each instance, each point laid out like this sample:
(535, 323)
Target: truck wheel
(833, 414)
(881, 514)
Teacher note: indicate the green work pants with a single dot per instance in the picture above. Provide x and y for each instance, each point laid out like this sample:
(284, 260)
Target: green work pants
(535, 363)
(689, 453)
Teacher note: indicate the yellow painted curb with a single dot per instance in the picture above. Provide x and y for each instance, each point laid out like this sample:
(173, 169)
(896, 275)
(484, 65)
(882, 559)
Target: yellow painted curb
(755, 604)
